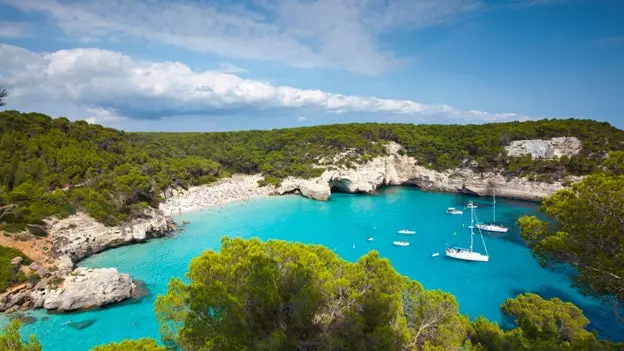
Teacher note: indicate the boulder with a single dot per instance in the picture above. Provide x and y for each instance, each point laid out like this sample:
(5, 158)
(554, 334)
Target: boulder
(16, 265)
(17, 261)
(88, 288)
(314, 189)
(41, 271)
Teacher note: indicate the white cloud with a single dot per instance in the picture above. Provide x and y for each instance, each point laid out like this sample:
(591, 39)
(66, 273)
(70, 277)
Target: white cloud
(109, 86)
(226, 67)
(302, 118)
(13, 30)
(342, 34)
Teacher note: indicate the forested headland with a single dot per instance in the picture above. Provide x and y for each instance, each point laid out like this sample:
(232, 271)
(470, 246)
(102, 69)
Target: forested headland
(56, 167)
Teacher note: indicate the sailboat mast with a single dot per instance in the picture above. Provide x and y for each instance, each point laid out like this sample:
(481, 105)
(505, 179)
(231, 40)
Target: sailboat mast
(494, 203)
(471, 224)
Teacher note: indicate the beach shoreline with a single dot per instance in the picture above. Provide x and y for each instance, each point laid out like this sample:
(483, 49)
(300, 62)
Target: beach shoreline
(239, 187)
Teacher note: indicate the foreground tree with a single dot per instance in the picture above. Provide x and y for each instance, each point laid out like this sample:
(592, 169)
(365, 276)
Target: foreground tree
(587, 233)
(131, 345)
(10, 339)
(541, 325)
(281, 296)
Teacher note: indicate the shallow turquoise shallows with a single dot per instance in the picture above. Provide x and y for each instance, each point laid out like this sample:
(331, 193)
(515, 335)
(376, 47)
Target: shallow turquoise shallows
(342, 224)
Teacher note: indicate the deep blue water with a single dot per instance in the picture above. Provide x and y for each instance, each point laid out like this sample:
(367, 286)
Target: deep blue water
(342, 224)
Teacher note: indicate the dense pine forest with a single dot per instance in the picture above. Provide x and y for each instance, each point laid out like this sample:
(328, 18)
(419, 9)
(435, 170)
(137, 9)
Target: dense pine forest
(55, 166)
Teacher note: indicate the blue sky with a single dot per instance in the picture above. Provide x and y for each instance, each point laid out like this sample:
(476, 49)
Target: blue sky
(226, 65)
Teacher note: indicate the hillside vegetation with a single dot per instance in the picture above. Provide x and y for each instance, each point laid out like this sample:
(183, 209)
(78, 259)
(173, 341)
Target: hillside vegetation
(55, 167)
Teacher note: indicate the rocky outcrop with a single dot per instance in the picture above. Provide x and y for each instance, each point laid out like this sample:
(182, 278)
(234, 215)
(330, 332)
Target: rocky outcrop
(87, 288)
(545, 149)
(79, 236)
(397, 169)
(73, 239)
(316, 189)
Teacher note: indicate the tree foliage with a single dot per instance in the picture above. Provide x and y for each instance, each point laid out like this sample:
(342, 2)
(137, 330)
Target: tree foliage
(587, 233)
(541, 325)
(145, 344)
(11, 340)
(279, 296)
(7, 275)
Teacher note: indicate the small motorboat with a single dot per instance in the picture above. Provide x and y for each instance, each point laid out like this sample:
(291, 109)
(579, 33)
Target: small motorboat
(401, 243)
(370, 238)
(406, 232)
(454, 211)
(435, 254)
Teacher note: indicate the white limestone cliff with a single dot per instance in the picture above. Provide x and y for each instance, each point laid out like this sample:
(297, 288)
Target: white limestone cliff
(396, 169)
(545, 149)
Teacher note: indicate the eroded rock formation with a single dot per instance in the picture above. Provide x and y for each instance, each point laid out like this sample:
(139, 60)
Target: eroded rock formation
(545, 149)
(397, 169)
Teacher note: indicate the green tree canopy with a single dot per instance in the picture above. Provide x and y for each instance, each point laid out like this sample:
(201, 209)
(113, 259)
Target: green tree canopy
(11, 340)
(587, 233)
(281, 296)
(131, 345)
(541, 325)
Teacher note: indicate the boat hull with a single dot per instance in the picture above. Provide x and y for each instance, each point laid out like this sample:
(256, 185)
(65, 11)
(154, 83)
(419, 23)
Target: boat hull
(465, 255)
(492, 228)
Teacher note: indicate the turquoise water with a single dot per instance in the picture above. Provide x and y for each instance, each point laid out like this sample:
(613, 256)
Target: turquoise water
(342, 224)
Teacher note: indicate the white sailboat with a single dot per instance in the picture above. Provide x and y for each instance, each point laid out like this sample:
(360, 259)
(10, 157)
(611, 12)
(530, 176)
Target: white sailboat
(401, 243)
(468, 254)
(493, 227)
(406, 232)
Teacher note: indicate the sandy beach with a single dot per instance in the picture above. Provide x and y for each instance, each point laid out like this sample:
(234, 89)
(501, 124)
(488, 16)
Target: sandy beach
(236, 188)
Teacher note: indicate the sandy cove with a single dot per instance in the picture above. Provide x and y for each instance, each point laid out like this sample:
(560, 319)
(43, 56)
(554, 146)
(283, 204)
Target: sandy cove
(239, 187)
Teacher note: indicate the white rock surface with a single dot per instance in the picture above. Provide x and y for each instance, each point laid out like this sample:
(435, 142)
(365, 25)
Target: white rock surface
(395, 169)
(545, 149)
(316, 189)
(80, 236)
(87, 288)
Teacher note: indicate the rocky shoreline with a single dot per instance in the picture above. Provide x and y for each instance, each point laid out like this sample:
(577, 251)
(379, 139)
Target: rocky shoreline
(74, 238)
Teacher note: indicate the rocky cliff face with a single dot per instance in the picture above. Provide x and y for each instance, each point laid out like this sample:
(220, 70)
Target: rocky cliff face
(396, 169)
(80, 236)
(545, 149)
